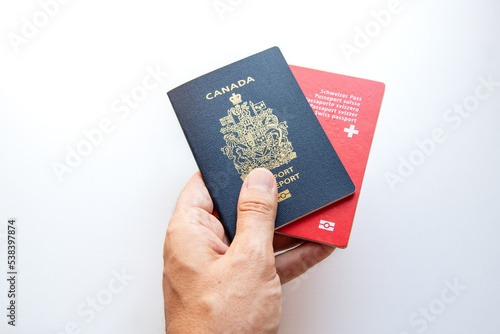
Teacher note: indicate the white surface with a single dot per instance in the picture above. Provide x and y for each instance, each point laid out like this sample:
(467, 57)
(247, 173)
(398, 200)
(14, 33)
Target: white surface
(111, 212)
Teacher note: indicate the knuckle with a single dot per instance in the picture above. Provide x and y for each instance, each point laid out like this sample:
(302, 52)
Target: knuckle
(256, 206)
(306, 262)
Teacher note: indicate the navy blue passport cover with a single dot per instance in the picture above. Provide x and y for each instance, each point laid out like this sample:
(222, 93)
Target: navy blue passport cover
(252, 113)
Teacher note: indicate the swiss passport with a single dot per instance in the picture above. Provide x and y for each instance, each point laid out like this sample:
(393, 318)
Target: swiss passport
(250, 114)
(347, 109)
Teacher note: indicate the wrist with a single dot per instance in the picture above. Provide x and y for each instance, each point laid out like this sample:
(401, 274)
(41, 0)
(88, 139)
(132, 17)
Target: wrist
(188, 316)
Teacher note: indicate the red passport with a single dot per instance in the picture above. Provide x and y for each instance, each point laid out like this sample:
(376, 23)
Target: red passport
(347, 109)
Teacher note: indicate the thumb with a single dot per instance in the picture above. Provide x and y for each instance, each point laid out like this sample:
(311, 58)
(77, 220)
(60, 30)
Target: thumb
(257, 206)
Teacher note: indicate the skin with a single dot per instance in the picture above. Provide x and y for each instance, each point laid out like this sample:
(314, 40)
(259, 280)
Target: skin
(210, 286)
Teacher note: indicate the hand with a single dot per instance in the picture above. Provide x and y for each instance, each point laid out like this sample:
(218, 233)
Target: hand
(212, 287)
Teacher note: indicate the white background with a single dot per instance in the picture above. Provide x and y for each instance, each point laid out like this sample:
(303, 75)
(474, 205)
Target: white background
(440, 226)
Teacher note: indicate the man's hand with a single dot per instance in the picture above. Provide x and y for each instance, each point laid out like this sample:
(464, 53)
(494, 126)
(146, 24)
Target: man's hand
(210, 287)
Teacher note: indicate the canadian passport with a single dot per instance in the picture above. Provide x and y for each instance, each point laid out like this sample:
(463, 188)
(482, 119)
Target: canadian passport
(347, 109)
(250, 114)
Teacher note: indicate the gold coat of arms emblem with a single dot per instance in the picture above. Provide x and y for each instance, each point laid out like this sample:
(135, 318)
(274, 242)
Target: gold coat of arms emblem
(254, 137)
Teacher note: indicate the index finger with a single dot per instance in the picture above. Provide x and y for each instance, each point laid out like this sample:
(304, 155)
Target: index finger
(194, 207)
(195, 194)
(297, 261)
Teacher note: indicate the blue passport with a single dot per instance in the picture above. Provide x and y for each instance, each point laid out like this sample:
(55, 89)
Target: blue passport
(250, 114)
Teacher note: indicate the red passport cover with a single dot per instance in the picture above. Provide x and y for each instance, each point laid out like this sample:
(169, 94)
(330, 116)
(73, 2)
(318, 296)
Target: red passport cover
(347, 109)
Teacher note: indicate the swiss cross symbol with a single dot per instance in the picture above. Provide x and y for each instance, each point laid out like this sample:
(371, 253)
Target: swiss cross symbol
(351, 131)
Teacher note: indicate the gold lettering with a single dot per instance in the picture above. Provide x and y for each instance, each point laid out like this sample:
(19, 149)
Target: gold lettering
(228, 88)
(284, 172)
(288, 180)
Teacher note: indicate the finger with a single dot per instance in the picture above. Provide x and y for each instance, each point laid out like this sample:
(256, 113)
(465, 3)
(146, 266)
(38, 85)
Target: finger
(283, 242)
(194, 207)
(257, 206)
(195, 194)
(297, 261)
